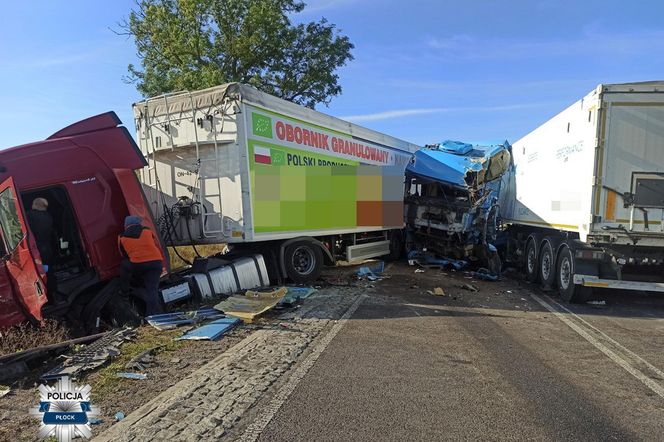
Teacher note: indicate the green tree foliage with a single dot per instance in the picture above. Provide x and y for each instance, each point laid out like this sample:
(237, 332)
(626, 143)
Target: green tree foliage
(194, 44)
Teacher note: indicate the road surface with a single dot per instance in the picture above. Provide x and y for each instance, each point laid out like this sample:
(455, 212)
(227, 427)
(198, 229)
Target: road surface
(505, 363)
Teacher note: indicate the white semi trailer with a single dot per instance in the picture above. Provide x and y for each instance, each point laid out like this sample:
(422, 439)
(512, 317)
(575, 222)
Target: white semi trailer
(583, 204)
(233, 165)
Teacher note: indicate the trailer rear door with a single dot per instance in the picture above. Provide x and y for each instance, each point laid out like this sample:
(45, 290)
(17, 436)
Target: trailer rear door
(19, 260)
(633, 162)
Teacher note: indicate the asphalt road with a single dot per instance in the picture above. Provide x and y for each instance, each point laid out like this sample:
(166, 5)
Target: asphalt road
(496, 364)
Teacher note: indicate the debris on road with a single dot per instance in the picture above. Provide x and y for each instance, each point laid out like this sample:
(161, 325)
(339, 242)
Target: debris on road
(596, 302)
(95, 421)
(438, 291)
(137, 376)
(93, 356)
(484, 275)
(419, 270)
(16, 364)
(296, 294)
(211, 331)
(119, 416)
(176, 319)
(141, 361)
(469, 287)
(252, 304)
(4, 390)
(428, 261)
(372, 274)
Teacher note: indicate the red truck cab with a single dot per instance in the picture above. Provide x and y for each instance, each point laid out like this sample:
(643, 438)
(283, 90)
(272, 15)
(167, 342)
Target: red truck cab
(86, 172)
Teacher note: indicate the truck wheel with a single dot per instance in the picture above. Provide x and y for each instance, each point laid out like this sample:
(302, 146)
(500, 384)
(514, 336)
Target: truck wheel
(120, 311)
(532, 268)
(569, 291)
(547, 265)
(303, 262)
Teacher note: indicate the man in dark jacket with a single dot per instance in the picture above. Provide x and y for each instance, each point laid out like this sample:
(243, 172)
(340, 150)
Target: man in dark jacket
(142, 258)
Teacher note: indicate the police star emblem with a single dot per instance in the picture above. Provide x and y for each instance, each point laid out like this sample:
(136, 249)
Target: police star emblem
(65, 411)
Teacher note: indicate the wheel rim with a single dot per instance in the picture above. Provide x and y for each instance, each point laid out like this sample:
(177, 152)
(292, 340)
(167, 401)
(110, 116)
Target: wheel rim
(531, 260)
(546, 266)
(565, 273)
(304, 260)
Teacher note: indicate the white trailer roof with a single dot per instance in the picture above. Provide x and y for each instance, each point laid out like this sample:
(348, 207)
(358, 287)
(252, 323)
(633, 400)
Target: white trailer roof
(206, 100)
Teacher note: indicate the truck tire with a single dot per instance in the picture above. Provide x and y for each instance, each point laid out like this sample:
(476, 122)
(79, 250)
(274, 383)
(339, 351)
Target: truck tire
(569, 291)
(303, 261)
(547, 265)
(531, 261)
(120, 311)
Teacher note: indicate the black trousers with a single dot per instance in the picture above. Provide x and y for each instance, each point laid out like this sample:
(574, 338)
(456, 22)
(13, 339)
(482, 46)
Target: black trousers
(149, 273)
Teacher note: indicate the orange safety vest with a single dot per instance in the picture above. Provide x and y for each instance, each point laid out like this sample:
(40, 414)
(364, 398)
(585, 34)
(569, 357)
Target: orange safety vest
(144, 248)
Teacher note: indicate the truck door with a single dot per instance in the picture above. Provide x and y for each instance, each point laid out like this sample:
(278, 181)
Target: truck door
(18, 259)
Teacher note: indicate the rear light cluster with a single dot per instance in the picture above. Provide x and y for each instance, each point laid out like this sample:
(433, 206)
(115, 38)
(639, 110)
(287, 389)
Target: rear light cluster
(596, 255)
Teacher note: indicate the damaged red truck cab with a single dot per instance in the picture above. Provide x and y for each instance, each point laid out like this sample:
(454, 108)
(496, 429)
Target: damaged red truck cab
(86, 172)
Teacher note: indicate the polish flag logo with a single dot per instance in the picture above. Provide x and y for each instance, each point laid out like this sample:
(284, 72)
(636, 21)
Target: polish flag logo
(262, 155)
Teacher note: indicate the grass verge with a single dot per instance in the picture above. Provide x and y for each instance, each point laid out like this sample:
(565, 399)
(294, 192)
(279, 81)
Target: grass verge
(147, 338)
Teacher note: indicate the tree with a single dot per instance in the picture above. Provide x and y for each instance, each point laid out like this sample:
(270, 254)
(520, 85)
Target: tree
(194, 44)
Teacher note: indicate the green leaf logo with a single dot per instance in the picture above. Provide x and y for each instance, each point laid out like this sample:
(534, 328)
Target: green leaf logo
(278, 157)
(262, 125)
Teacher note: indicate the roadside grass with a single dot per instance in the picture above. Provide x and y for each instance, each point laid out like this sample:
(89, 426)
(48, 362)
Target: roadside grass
(25, 336)
(188, 253)
(147, 338)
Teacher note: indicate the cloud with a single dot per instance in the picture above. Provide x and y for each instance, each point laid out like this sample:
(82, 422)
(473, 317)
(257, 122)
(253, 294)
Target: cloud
(398, 113)
(591, 42)
(51, 58)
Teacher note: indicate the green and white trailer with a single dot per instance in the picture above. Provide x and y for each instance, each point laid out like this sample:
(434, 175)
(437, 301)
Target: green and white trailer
(233, 165)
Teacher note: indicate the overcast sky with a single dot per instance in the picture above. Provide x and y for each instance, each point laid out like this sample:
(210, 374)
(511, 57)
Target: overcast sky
(424, 70)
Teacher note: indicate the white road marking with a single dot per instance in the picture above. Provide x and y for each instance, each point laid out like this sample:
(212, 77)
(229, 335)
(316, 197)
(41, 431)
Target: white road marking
(656, 370)
(253, 431)
(638, 374)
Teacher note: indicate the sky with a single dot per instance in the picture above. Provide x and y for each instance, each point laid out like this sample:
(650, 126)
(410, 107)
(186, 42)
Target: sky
(424, 70)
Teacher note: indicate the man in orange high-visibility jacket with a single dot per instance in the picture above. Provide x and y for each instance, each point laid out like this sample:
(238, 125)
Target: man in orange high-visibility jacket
(141, 255)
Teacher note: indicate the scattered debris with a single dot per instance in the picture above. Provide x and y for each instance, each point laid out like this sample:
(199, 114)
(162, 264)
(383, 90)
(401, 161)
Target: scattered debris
(419, 270)
(93, 356)
(296, 294)
(484, 274)
(15, 364)
(371, 273)
(469, 287)
(95, 421)
(141, 361)
(119, 416)
(177, 319)
(509, 291)
(596, 302)
(4, 390)
(175, 361)
(252, 304)
(138, 376)
(438, 291)
(428, 261)
(212, 331)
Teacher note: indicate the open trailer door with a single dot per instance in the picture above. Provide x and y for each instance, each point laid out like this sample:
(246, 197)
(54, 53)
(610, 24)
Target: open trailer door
(18, 259)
